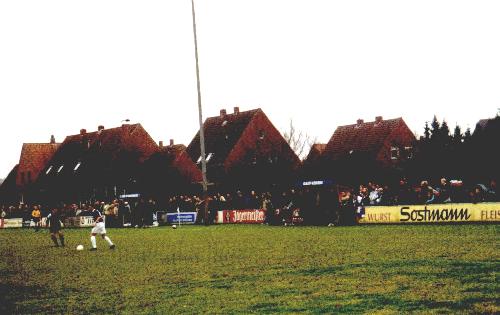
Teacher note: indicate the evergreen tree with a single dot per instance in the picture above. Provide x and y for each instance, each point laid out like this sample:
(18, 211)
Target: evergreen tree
(435, 128)
(457, 135)
(427, 131)
(467, 135)
(444, 133)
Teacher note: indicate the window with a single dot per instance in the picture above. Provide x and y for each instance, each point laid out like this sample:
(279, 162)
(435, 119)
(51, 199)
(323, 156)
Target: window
(48, 170)
(60, 168)
(207, 158)
(409, 152)
(224, 123)
(394, 153)
(262, 135)
(77, 166)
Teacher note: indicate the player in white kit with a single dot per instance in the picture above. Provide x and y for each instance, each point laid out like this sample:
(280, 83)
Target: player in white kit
(100, 229)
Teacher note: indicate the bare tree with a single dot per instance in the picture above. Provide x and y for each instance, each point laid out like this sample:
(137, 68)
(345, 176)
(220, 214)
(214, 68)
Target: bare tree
(299, 141)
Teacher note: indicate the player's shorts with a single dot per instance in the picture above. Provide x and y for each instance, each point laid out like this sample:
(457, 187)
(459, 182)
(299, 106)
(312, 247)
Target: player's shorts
(55, 228)
(99, 228)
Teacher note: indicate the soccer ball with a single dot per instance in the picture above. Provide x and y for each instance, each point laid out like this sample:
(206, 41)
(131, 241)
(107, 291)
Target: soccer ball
(79, 247)
(174, 226)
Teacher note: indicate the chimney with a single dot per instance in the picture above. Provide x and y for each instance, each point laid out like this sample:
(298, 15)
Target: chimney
(52, 139)
(359, 121)
(100, 128)
(378, 119)
(83, 131)
(171, 142)
(223, 113)
(160, 144)
(236, 110)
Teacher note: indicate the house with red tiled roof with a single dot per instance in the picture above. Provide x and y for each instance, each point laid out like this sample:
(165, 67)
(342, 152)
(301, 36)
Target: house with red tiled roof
(310, 165)
(33, 159)
(315, 153)
(98, 165)
(366, 146)
(486, 153)
(9, 194)
(244, 149)
(170, 171)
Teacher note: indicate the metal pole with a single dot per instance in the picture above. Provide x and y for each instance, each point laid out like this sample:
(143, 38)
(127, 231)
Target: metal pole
(200, 117)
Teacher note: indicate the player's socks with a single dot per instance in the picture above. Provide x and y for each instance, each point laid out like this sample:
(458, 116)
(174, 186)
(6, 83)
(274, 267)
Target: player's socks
(107, 239)
(93, 241)
(61, 238)
(54, 239)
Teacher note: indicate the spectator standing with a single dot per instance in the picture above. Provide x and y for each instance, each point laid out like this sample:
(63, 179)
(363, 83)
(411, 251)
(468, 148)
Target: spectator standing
(360, 202)
(36, 216)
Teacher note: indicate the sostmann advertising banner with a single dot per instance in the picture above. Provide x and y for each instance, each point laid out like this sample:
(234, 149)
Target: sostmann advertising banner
(164, 218)
(241, 216)
(452, 212)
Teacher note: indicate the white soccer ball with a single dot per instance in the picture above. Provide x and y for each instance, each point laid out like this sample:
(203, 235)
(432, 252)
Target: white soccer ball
(79, 247)
(174, 226)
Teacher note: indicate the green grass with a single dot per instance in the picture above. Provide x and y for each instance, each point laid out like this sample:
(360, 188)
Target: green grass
(255, 269)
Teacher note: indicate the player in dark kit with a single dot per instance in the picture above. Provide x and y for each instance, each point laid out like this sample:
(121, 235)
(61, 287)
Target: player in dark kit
(99, 228)
(55, 226)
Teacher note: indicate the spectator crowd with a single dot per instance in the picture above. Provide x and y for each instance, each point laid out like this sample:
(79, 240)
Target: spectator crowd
(332, 204)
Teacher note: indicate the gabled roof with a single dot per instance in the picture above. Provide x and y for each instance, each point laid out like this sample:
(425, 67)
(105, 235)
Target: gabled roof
(34, 158)
(104, 147)
(487, 125)
(315, 152)
(175, 158)
(8, 186)
(221, 135)
(318, 147)
(365, 138)
(176, 148)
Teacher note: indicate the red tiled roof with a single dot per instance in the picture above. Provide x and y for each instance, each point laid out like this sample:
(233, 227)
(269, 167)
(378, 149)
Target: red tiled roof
(221, 135)
(105, 146)
(315, 152)
(367, 138)
(485, 124)
(34, 158)
(320, 147)
(8, 185)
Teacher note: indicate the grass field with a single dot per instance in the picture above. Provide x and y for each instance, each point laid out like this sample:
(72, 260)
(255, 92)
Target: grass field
(255, 269)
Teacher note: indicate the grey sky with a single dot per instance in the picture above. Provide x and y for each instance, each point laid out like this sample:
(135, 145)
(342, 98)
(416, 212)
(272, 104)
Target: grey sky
(67, 65)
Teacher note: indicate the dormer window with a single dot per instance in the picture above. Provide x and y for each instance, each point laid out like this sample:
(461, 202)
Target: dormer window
(60, 168)
(207, 158)
(409, 152)
(262, 135)
(48, 170)
(77, 166)
(394, 153)
(224, 123)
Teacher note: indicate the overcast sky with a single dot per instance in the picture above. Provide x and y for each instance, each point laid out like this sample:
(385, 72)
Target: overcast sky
(67, 65)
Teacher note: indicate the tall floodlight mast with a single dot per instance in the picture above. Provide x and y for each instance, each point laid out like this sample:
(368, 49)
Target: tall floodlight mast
(200, 118)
